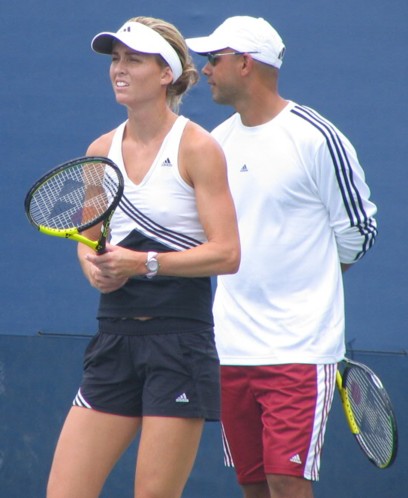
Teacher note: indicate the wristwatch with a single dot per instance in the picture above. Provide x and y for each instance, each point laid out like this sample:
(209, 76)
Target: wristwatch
(152, 264)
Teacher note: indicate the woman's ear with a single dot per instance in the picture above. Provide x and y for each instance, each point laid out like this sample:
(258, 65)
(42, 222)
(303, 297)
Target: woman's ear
(167, 76)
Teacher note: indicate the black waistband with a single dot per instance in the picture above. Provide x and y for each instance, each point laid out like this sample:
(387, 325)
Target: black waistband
(131, 326)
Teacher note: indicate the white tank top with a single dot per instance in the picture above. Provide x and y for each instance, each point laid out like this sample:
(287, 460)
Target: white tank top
(163, 206)
(159, 214)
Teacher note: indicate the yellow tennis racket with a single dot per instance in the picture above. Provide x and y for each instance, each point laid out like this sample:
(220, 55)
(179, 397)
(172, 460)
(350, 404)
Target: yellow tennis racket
(369, 412)
(75, 196)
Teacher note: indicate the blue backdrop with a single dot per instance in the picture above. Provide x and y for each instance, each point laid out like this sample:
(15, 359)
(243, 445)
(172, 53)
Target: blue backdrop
(346, 59)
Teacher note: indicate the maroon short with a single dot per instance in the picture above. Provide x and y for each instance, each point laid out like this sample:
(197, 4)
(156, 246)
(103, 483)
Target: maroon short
(274, 418)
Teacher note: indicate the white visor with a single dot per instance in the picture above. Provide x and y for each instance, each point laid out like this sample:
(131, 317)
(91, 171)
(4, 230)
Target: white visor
(143, 39)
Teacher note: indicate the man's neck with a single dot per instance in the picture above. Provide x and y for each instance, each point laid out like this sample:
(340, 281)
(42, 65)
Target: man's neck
(258, 111)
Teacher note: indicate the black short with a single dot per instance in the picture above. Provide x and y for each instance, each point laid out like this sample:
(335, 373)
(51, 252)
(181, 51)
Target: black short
(158, 367)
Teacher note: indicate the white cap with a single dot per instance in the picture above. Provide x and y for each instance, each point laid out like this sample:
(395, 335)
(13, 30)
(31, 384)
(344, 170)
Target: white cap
(244, 34)
(143, 39)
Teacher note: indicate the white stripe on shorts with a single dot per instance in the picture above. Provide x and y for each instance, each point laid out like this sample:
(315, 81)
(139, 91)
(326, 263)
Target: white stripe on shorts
(228, 461)
(80, 400)
(326, 377)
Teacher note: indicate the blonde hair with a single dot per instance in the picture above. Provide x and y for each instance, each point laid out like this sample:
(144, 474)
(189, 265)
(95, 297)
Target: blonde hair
(172, 35)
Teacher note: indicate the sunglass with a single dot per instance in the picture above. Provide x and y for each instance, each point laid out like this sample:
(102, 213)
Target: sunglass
(212, 58)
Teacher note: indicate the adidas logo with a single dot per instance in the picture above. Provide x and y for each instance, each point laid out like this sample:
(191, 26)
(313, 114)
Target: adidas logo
(182, 399)
(295, 459)
(167, 163)
(243, 169)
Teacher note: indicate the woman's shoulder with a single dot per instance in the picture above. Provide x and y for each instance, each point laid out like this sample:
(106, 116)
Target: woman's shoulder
(101, 145)
(196, 138)
(200, 154)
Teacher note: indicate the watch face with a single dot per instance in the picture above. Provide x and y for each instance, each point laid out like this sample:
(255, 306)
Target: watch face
(152, 265)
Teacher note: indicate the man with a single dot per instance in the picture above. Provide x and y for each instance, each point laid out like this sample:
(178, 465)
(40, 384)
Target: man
(304, 216)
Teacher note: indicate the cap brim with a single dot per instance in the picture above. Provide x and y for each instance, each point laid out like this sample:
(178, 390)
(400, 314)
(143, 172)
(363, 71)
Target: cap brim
(103, 42)
(205, 44)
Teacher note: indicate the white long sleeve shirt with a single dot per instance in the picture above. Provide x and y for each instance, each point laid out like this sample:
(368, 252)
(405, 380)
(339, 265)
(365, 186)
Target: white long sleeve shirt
(303, 208)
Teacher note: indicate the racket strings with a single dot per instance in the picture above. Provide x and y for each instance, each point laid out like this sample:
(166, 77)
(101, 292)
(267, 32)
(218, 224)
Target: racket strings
(74, 196)
(371, 412)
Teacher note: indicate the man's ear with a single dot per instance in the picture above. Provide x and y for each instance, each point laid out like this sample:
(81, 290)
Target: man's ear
(247, 63)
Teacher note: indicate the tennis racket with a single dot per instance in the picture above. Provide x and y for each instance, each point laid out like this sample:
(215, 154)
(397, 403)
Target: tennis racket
(369, 412)
(75, 196)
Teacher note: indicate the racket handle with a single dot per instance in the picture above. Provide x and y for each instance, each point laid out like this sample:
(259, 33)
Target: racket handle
(101, 247)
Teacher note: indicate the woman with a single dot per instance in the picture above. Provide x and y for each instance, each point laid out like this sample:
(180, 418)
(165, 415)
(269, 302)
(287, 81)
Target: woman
(152, 366)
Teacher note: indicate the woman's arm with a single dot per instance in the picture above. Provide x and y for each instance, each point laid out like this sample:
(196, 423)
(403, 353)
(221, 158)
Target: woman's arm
(203, 166)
